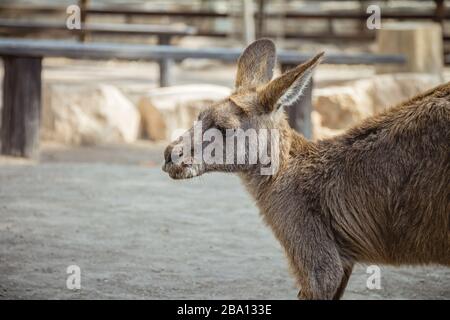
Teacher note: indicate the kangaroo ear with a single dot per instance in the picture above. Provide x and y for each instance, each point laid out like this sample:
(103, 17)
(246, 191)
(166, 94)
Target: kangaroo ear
(286, 89)
(256, 63)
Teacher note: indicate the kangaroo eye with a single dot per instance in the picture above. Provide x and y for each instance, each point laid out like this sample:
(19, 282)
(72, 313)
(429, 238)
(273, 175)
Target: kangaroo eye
(221, 129)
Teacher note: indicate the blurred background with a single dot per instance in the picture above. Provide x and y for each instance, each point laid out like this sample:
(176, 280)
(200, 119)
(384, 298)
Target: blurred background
(86, 113)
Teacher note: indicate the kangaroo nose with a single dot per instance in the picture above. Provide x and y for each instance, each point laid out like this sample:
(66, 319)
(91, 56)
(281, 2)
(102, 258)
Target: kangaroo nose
(176, 151)
(168, 155)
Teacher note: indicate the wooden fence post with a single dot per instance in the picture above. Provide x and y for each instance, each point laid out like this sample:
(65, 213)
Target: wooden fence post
(83, 4)
(248, 21)
(19, 134)
(261, 19)
(165, 65)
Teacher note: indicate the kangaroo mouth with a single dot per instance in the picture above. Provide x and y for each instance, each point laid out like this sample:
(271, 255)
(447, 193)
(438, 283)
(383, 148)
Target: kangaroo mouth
(183, 171)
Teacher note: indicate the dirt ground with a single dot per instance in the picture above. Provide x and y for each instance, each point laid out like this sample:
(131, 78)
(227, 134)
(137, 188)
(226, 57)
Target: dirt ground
(136, 234)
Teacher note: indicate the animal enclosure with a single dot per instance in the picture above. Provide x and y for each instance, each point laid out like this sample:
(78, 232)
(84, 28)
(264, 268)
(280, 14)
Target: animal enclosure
(192, 150)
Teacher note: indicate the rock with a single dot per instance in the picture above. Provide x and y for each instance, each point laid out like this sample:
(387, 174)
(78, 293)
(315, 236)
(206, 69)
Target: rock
(388, 90)
(88, 115)
(340, 107)
(199, 64)
(319, 131)
(169, 111)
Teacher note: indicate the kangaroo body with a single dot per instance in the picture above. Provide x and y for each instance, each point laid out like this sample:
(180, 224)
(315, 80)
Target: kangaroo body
(379, 193)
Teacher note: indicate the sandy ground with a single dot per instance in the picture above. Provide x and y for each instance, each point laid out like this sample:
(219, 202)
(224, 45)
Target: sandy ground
(136, 234)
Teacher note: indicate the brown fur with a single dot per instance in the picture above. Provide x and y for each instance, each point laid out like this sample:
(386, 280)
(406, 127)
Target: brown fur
(378, 193)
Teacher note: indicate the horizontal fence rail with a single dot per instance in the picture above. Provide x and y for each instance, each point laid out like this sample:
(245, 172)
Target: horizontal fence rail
(109, 10)
(102, 28)
(76, 50)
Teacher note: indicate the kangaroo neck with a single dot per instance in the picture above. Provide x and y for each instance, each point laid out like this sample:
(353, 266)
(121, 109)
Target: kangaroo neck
(261, 186)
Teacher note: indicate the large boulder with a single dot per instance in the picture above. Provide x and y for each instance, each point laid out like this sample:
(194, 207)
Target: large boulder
(419, 42)
(169, 111)
(340, 107)
(319, 130)
(389, 90)
(82, 114)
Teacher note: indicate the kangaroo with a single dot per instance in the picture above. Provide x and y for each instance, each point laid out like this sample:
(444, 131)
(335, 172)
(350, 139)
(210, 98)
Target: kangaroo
(378, 193)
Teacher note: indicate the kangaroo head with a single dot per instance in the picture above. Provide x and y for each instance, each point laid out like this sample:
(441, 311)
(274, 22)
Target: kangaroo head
(232, 134)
